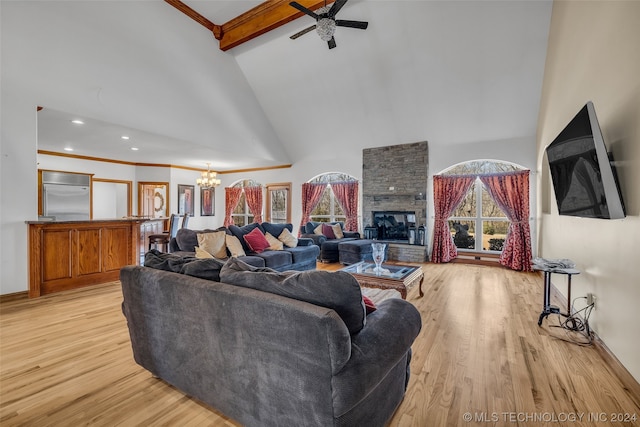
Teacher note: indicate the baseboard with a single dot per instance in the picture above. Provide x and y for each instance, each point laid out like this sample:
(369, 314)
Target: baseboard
(13, 297)
(629, 383)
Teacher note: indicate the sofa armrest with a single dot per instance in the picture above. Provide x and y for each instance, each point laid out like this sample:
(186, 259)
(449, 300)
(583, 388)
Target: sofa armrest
(384, 341)
(353, 234)
(305, 241)
(317, 239)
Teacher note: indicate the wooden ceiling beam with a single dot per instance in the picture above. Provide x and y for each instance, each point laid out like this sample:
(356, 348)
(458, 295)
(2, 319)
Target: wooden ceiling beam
(261, 19)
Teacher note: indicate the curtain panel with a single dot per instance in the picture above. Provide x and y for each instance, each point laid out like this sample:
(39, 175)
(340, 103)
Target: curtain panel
(448, 192)
(347, 196)
(231, 198)
(254, 201)
(510, 191)
(311, 195)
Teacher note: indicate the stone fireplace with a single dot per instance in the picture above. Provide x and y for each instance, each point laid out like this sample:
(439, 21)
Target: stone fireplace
(394, 184)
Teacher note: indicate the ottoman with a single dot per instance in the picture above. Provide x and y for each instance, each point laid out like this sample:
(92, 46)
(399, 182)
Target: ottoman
(355, 251)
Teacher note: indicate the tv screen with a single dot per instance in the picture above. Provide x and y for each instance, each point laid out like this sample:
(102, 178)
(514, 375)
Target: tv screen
(584, 180)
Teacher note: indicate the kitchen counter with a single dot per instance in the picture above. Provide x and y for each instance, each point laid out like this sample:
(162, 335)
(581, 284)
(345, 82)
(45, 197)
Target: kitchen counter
(70, 254)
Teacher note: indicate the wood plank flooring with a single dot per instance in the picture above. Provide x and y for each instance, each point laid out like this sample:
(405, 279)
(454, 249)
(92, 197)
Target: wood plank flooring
(65, 360)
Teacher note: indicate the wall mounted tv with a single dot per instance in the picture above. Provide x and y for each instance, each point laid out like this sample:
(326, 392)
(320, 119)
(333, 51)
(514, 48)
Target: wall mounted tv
(584, 179)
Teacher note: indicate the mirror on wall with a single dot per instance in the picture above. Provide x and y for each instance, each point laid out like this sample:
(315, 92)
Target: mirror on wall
(111, 198)
(279, 203)
(153, 199)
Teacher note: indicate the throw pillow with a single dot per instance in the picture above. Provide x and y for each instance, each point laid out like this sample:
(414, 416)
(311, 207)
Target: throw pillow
(336, 290)
(318, 230)
(327, 230)
(201, 253)
(337, 231)
(214, 243)
(256, 241)
(369, 305)
(234, 245)
(274, 244)
(288, 239)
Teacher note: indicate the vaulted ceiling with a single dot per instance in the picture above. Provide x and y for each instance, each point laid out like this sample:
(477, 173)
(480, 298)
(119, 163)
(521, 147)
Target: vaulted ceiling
(449, 72)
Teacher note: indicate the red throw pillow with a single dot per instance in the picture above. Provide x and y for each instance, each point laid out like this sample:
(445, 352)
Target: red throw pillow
(368, 304)
(256, 241)
(327, 231)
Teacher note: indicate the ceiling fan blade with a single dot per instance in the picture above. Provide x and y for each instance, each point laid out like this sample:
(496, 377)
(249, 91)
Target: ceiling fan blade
(352, 24)
(335, 8)
(303, 9)
(332, 43)
(303, 32)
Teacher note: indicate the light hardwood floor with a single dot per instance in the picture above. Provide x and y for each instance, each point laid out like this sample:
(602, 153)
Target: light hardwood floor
(65, 360)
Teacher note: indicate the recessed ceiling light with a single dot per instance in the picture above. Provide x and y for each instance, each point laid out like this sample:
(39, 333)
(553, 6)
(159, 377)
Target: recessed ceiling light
(134, 148)
(68, 149)
(124, 137)
(77, 122)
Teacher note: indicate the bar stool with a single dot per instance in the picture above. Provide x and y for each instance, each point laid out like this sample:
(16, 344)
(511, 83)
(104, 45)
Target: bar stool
(162, 240)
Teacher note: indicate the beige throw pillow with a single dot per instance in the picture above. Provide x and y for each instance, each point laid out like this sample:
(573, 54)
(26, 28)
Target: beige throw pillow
(214, 243)
(288, 239)
(201, 253)
(274, 244)
(337, 230)
(234, 245)
(318, 230)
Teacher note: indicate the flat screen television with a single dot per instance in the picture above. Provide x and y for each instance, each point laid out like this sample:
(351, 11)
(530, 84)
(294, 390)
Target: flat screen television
(584, 178)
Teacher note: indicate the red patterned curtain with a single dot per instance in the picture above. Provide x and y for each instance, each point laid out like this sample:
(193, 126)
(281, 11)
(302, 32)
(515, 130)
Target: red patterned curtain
(231, 198)
(448, 192)
(510, 191)
(311, 195)
(254, 201)
(347, 195)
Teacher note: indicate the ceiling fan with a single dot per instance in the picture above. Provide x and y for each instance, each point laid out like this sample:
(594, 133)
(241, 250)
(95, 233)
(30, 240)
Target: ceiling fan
(326, 21)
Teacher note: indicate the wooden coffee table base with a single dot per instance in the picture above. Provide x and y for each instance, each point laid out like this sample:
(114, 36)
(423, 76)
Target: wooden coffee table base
(400, 285)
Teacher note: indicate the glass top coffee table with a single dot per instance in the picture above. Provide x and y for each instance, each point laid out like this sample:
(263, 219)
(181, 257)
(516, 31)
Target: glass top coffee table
(394, 276)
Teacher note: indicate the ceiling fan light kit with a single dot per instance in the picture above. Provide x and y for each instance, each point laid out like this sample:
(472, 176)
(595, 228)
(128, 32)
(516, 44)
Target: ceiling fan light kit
(326, 22)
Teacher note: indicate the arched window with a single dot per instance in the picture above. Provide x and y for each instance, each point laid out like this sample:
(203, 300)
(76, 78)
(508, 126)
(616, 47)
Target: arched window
(241, 214)
(328, 209)
(478, 224)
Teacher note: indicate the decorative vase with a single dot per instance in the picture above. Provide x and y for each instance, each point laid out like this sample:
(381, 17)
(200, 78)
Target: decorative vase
(378, 256)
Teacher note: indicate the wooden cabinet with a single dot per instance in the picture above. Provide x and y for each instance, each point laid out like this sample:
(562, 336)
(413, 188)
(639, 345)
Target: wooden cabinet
(67, 255)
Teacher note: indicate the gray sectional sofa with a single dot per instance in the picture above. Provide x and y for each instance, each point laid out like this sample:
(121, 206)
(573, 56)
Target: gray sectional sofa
(268, 348)
(302, 257)
(329, 247)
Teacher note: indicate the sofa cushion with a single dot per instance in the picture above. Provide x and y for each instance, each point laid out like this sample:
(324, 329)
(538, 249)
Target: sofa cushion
(189, 265)
(201, 253)
(335, 290)
(327, 230)
(312, 225)
(276, 229)
(287, 238)
(240, 232)
(234, 246)
(276, 259)
(274, 243)
(256, 241)
(214, 243)
(187, 239)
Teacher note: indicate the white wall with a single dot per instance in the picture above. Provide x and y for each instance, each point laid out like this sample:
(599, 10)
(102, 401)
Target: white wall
(593, 55)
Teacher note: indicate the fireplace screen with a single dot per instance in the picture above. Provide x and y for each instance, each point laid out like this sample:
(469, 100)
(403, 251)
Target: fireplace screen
(394, 225)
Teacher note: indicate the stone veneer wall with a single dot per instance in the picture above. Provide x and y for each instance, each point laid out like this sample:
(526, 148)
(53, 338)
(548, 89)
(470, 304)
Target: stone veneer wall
(395, 178)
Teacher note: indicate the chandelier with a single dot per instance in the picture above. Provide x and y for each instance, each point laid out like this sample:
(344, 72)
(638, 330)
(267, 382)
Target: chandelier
(208, 179)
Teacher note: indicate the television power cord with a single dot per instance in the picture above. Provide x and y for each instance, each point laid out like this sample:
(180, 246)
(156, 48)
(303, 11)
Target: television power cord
(577, 323)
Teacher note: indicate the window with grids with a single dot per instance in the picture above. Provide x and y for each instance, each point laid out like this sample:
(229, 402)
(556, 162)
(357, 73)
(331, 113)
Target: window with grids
(478, 223)
(328, 209)
(241, 214)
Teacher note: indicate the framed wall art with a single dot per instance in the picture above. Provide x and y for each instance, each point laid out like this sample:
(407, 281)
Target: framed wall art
(185, 199)
(207, 201)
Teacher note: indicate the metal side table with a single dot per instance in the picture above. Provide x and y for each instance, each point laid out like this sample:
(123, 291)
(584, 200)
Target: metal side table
(552, 309)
